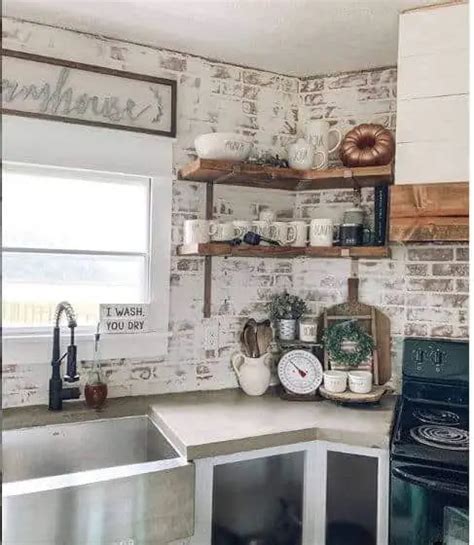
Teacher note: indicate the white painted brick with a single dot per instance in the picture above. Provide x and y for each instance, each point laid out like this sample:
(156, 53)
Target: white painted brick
(269, 108)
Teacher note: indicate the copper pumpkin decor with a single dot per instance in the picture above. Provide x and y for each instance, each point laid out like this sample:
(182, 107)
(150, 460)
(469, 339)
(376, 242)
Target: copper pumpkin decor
(367, 145)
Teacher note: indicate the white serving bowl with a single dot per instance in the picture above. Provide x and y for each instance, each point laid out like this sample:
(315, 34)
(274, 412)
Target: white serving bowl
(360, 382)
(335, 381)
(224, 146)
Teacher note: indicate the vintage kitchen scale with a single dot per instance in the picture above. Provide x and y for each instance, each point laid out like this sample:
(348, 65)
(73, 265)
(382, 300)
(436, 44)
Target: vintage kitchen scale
(300, 369)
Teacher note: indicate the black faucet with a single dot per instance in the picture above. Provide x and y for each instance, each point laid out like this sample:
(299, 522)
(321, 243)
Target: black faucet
(57, 394)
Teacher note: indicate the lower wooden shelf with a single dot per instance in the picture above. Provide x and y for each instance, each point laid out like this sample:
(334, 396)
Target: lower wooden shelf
(244, 250)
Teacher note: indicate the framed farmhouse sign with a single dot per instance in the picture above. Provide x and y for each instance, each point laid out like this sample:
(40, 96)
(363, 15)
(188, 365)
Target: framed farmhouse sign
(71, 92)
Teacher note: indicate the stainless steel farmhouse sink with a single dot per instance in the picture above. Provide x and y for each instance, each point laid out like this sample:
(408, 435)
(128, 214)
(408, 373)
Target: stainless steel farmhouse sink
(105, 482)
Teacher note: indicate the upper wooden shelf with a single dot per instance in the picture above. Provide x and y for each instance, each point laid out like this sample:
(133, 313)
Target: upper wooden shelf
(288, 179)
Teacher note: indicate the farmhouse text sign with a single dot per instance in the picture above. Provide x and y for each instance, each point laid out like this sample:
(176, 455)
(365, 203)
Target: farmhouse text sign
(124, 318)
(37, 86)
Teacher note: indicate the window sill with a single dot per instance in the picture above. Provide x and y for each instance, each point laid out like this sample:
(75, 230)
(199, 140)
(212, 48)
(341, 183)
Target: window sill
(36, 349)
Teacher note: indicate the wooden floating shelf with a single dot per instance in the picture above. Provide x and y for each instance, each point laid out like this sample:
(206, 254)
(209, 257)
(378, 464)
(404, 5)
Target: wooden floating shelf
(244, 250)
(288, 179)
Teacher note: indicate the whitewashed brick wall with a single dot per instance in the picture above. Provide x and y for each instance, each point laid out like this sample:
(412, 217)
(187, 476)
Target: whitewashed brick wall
(423, 289)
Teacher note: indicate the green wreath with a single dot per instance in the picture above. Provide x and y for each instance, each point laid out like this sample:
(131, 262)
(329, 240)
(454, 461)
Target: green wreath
(348, 331)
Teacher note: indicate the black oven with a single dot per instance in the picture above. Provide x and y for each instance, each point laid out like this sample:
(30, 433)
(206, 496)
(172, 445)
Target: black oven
(429, 505)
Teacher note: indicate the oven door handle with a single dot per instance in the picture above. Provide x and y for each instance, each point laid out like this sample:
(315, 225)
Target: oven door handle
(432, 484)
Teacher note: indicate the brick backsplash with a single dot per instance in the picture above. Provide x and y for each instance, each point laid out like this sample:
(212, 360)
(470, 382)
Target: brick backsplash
(424, 289)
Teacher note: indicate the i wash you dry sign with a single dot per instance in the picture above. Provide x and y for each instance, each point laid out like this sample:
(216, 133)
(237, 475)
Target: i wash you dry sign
(124, 318)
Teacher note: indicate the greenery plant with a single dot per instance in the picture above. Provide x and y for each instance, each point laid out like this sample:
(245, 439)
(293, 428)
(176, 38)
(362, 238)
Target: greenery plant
(284, 306)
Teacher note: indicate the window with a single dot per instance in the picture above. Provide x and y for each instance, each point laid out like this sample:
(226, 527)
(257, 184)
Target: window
(93, 227)
(72, 235)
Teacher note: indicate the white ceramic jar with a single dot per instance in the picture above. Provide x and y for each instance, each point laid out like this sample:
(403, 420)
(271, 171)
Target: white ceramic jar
(360, 382)
(335, 381)
(307, 330)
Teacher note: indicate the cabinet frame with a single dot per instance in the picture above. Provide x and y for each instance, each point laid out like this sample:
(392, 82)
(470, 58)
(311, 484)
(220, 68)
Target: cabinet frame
(314, 487)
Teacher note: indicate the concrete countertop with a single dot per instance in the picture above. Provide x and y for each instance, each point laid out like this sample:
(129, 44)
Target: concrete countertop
(205, 424)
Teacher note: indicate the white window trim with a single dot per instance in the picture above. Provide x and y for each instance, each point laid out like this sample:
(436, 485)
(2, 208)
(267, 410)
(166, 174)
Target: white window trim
(75, 147)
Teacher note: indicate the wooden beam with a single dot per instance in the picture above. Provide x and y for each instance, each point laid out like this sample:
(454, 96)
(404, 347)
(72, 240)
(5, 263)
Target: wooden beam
(429, 200)
(423, 229)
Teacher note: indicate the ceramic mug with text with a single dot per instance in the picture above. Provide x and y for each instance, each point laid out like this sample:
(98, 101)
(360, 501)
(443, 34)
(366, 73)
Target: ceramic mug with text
(321, 232)
(301, 228)
(222, 231)
(283, 232)
(262, 228)
(197, 231)
(317, 133)
(241, 227)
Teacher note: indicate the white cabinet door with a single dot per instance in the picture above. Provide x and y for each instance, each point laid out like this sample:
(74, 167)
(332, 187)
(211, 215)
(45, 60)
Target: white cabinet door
(355, 495)
(433, 96)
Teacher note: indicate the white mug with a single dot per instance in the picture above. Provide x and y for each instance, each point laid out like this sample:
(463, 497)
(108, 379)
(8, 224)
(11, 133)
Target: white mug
(307, 330)
(283, 232)
(321, 232)
(267, 215)
(222, 231)
(241, 227)
(197, 231)
(360, 382)
(317, 133)
(262, 228)
(301, 239)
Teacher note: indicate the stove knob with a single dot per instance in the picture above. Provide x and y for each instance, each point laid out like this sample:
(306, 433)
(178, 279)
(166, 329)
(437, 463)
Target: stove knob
(439, 358)
(419, 355)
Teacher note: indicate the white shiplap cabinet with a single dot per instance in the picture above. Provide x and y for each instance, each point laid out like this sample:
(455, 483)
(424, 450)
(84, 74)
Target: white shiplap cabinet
(433, 96)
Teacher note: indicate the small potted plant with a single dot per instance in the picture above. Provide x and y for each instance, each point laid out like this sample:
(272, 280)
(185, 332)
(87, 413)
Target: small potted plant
(285, 310)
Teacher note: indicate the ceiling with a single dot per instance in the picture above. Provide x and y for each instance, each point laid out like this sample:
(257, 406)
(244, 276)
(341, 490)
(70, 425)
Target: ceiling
(294, 37)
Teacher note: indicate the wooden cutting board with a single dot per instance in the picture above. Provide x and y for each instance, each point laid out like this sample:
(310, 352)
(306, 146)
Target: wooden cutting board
(371, 319)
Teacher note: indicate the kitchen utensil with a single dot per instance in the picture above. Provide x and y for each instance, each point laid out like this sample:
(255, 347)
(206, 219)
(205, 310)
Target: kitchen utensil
(264, 336)
(250, 338)
(300, 372)
(254, 239)
(225, 146)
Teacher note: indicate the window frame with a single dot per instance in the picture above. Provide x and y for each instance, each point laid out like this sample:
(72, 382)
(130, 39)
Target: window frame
(35, 346)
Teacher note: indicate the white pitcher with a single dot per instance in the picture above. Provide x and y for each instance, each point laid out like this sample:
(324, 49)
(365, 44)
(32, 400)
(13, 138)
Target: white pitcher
(253, 373)
(317, 134)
